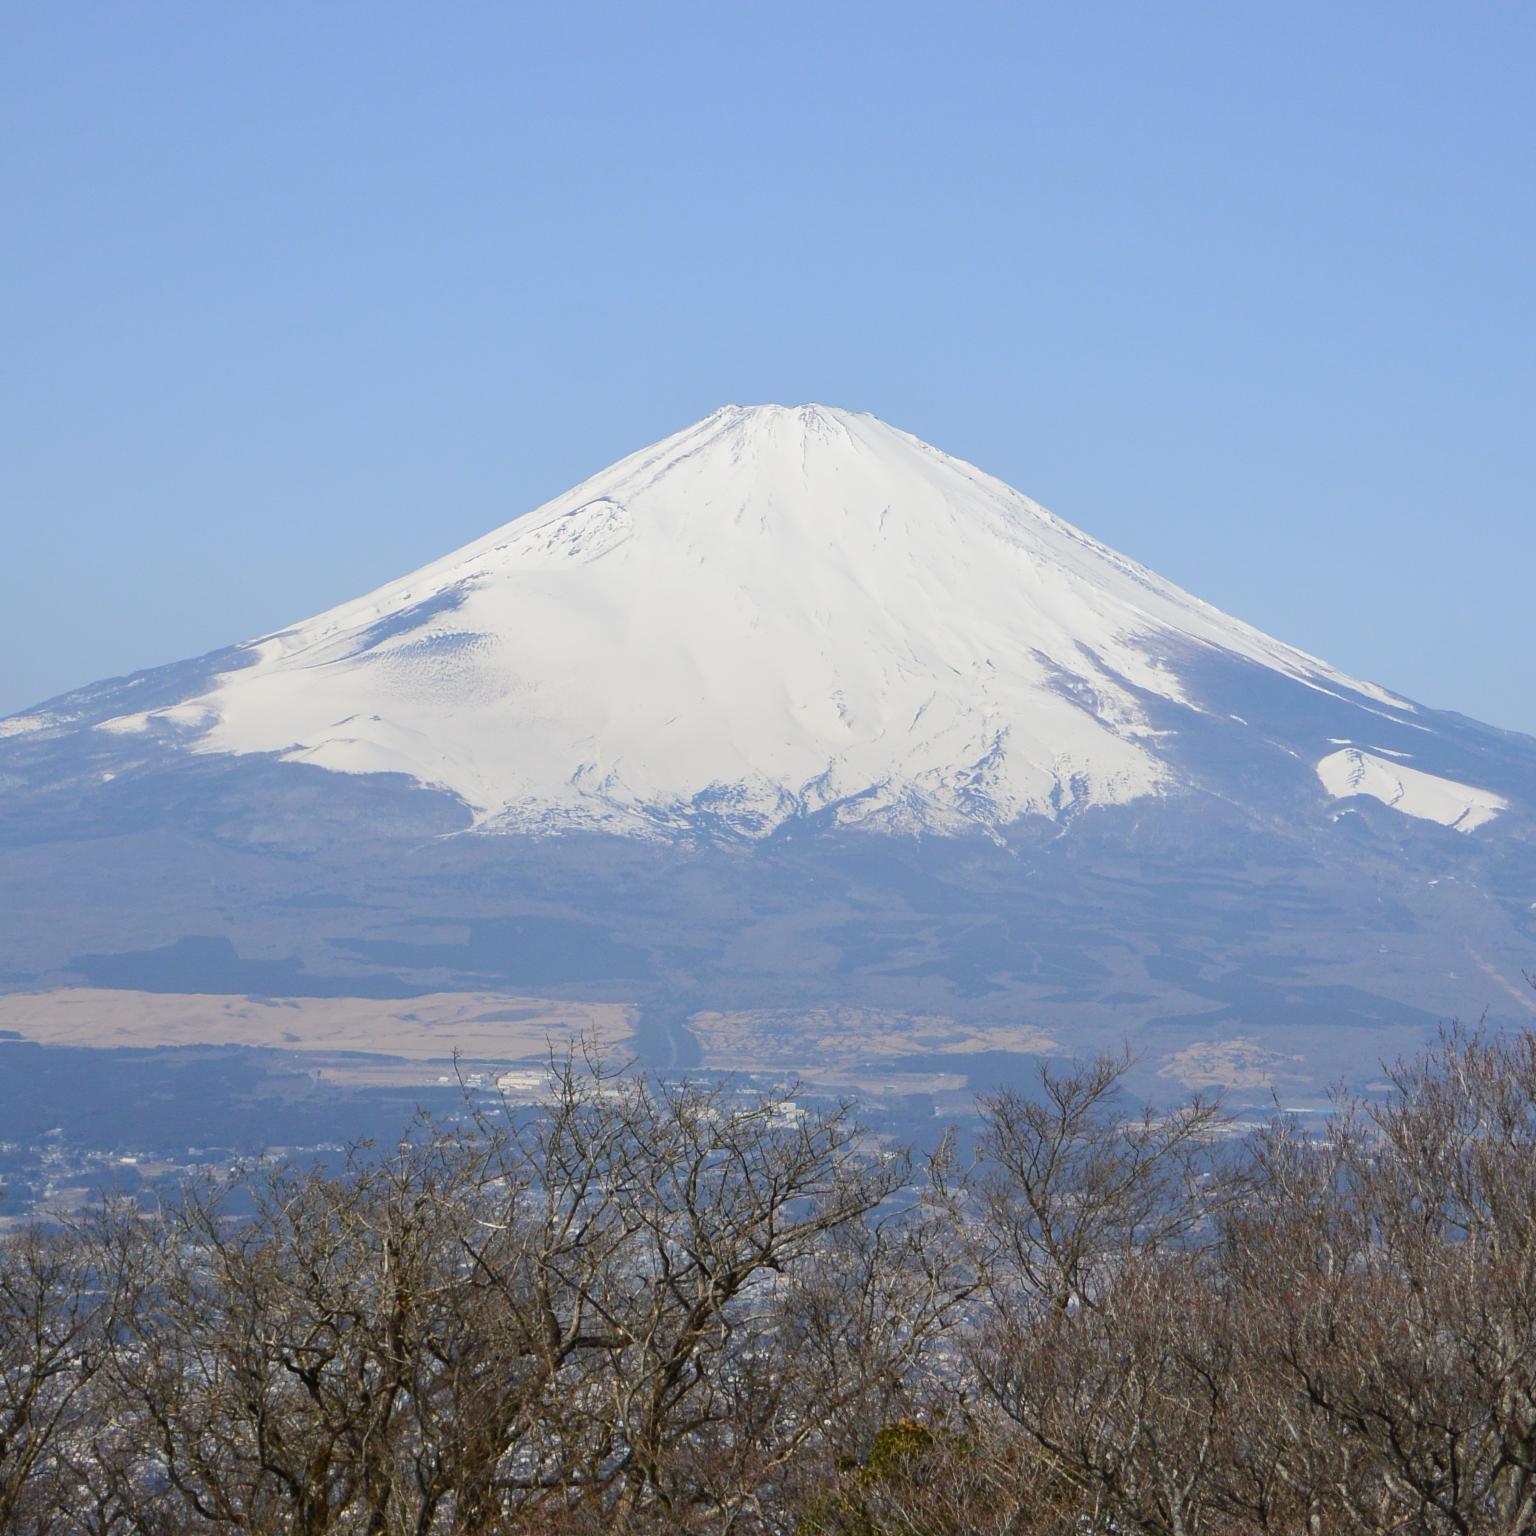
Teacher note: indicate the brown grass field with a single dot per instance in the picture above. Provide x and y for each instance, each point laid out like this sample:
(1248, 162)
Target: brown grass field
(477, 1026)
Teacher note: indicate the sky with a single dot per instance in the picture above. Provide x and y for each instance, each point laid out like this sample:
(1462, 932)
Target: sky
(296, 297)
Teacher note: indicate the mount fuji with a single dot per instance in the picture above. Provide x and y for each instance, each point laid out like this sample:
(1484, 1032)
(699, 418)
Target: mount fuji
(778, 614)
(789, 710)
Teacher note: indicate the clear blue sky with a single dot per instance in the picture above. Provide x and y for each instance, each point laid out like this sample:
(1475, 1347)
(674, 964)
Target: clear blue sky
(296, 297)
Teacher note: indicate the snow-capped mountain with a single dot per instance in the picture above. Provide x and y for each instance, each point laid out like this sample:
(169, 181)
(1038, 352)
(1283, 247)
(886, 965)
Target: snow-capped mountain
(697, 707)
(781, 613)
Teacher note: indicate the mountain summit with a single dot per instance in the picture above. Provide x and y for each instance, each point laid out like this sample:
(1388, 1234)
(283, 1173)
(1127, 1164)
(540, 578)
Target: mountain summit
(793, 612)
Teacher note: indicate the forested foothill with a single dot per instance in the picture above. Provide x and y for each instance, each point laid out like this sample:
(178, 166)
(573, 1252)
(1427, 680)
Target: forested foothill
(651, 1306)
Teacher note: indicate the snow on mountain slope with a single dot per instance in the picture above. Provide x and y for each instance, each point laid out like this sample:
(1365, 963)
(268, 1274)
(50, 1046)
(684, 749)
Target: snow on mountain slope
(774, 612)
(1409, 790)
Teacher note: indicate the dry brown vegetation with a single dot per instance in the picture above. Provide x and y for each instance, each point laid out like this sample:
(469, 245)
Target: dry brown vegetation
(419, 1035)
(658, 1309)
(848, 1040)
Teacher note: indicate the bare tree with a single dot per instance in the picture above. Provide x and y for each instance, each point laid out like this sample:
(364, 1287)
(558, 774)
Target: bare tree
(646, 1307)
(52, 1338)
(598, 1314)
(1076, 1182)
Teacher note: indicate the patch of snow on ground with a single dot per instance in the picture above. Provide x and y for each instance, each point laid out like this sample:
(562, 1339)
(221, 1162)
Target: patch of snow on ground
(24, 725)
(124, 725)
(1409, 790)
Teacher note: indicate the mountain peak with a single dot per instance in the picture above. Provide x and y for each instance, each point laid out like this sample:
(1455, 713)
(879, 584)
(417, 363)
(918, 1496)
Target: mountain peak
(771, 415)
(807, 437)
(786, 425)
